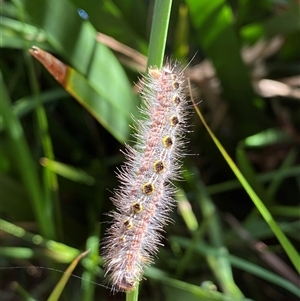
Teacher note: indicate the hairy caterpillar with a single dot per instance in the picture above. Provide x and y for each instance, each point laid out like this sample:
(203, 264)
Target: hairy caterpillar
(144, 197)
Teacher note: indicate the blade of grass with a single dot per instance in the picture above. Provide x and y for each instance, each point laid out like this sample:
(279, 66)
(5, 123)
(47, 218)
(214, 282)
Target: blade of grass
(288, 211)
(50, 184)
(57, 291)
(248, 170)
(284, 241)
(265, 253)
(58, 256)
(57, 251)
(108, 114)
(24, 162)
(17, 252)
(19, 289)
(133, 295)
(186, 211)
(159, 31)
(89, 275)
(26, 104)
(14, 33)
(186, 258)
(52, 206)
(192, 289)
(289, 161)
(67, 171)
(219, 263)
(259, 140)
(203, 249)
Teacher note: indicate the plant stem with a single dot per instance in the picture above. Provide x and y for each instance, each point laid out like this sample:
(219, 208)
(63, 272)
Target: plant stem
(159, 31)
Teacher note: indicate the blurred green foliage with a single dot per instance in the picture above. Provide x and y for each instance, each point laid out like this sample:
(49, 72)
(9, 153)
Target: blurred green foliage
(58, 153)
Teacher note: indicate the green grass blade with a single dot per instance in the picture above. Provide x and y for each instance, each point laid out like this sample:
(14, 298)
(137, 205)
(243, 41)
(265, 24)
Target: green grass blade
(190, 289)
(284, 241)
(56, 251)
(109, 114)
(133, 295)
(219, 263)
(57, 291)
(17, 252)
(263, 139)
(248, 170)
(159, 30)
(186, 211)
(19, 289)
(27, 104)
(188, 255)
(50, 184)
(25, 164)
(91, 265)
(288, 162)
(14, 33)
(264, 274)
(68, 172)
(289, 211)
(203, 249)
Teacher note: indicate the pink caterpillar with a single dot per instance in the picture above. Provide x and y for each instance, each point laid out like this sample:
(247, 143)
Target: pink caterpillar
(144, 197)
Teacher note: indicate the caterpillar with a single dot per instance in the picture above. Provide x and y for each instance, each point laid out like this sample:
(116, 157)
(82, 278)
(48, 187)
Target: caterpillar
(144, 199)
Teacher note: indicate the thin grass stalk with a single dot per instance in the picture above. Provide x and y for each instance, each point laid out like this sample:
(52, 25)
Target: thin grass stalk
(51, 202)
(282, 238)
(52, 208)
(218, 263)
(159, 31)
(24, 161)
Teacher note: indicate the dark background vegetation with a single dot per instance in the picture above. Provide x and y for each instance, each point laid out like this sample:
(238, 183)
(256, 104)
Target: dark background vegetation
(243, 58)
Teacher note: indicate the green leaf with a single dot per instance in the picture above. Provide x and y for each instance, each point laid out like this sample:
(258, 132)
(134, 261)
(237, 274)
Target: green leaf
(69, 172)
(106, 84)
(120, 14)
